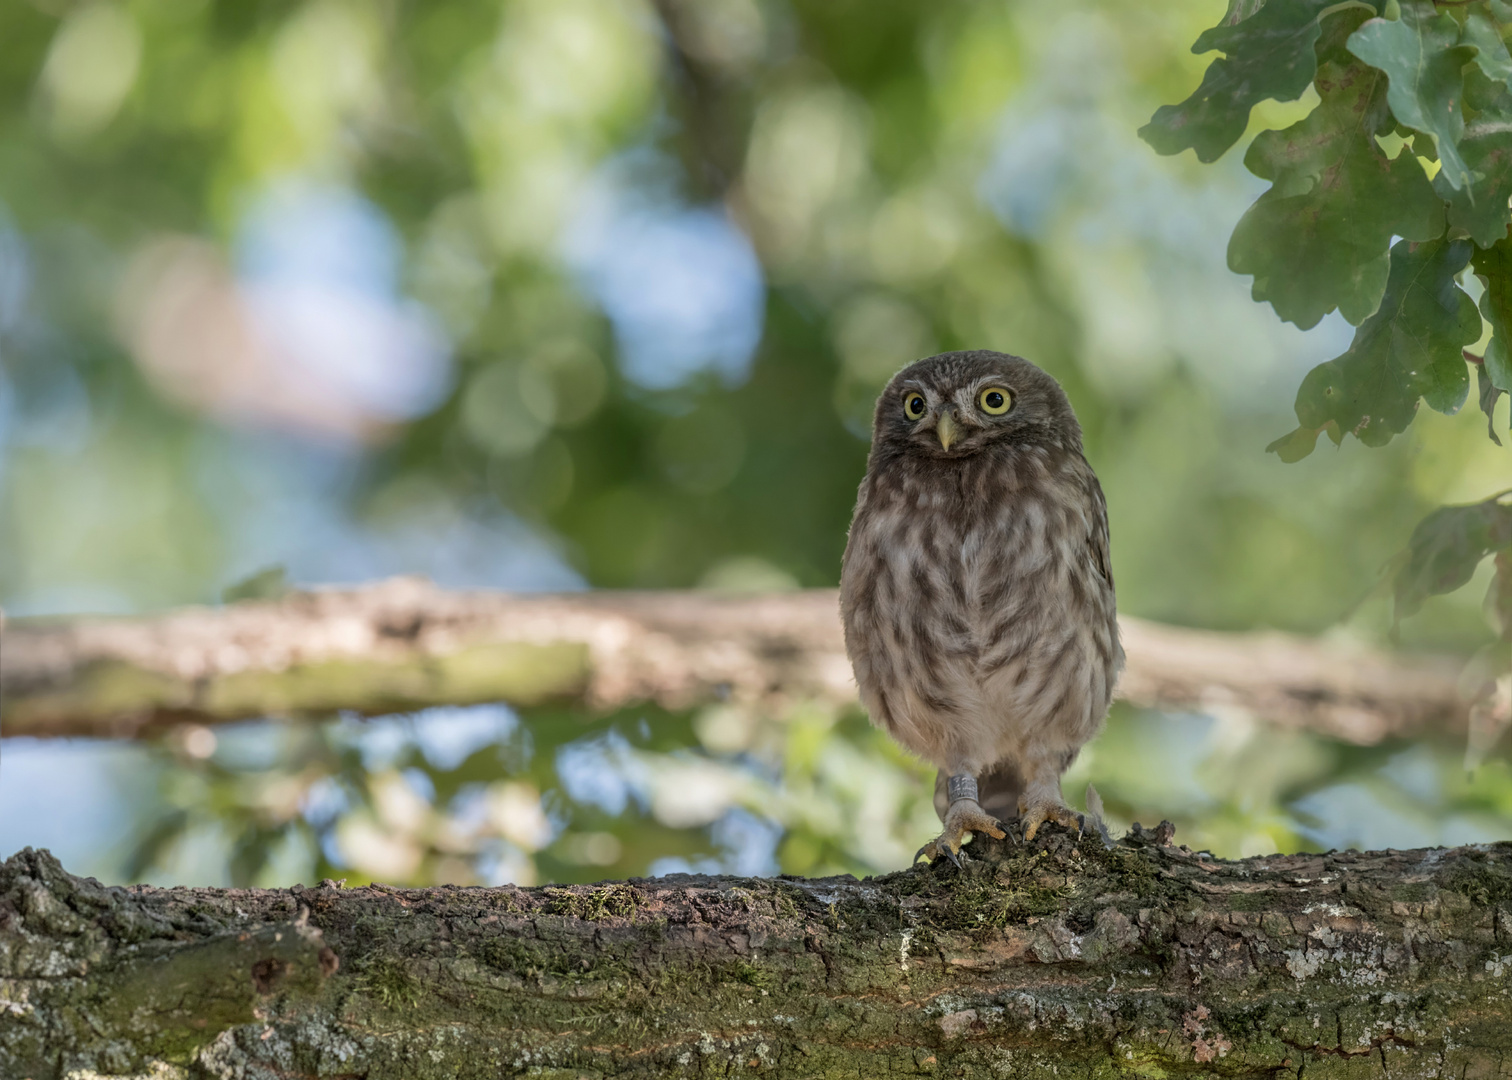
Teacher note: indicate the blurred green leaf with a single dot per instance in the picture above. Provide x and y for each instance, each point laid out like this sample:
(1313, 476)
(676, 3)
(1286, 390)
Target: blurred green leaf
(1422, 55)
(151, 847)
(1411, 348)
(1499, 597)
(1447, 546)
(1296, 445)
(1486, 681)
(1490, 394)
(1494, 266)
(1267, 55)
(249, 852)
(1320, 237)
(267, 584)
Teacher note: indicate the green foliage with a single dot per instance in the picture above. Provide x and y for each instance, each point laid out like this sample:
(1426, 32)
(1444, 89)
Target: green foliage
(1269, 54)
(1414, 83)
(1479, 208)
(1489, 394)
(837, 795)
(1443, 554)
(267, 584)
(853, 152)
(1432, 82)
(1410, 348)
(1317, 240)
(1422, 54)
(1494, 265)
(1447, 546)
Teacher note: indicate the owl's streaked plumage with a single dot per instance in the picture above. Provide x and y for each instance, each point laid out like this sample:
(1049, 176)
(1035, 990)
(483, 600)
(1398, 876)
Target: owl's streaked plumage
(976, 589)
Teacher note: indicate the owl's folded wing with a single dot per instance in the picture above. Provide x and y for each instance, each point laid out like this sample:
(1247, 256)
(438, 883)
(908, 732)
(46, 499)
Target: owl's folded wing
(1097, 525)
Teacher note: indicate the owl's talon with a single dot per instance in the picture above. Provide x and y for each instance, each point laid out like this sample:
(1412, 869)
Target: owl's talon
(937, 848)
(1031, 817)
(964, 816)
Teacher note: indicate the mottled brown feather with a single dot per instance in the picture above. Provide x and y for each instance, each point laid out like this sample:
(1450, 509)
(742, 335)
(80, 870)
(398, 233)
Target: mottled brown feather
(977, 588)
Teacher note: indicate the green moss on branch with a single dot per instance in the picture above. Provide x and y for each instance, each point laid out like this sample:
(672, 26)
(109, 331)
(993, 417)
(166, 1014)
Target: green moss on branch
(1057, 959)
(522, 673)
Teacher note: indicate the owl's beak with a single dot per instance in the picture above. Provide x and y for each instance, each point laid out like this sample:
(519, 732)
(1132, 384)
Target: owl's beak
(947, 429)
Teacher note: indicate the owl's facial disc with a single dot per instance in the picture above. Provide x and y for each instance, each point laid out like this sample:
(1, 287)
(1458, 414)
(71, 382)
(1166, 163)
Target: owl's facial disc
(947, 429)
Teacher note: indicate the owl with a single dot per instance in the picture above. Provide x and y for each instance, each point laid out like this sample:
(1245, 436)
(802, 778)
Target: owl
(976, 590)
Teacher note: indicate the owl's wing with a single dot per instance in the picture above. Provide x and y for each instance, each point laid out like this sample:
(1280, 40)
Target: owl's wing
(1097, 525)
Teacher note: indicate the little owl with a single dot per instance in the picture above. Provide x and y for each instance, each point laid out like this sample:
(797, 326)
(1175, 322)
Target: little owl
(976, 590)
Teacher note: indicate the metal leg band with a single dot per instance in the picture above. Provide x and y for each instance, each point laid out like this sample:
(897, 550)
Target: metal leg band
(961, 786)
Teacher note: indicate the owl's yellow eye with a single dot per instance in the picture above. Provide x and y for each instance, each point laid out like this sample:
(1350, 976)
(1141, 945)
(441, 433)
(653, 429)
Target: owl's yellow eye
(913, 406)
(995, 401)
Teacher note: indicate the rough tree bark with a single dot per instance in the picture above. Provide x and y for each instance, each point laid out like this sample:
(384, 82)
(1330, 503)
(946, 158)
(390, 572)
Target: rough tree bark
(404, 644)
(1058, 959)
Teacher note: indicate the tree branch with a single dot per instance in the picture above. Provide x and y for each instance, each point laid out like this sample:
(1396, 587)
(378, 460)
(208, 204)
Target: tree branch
(403, 644)
(1058, 958)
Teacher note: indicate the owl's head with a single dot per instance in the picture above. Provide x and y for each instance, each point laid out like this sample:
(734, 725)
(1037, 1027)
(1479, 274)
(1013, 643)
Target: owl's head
(960, 403)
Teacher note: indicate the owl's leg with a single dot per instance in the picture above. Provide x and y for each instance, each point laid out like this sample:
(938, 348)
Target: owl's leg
(965, 815)
(1041, 800)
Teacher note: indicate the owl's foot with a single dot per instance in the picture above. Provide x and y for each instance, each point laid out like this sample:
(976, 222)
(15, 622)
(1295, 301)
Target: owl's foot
(964, 816)
(1034, 814)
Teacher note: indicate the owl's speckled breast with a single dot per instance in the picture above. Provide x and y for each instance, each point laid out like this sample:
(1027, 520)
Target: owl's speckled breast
(977, 611)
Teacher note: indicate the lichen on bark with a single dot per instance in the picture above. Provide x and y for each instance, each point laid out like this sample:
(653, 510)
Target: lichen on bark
(1058, 959)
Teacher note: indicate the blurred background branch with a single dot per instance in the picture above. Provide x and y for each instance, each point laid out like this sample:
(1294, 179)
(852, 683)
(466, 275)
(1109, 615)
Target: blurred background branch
(404, 644)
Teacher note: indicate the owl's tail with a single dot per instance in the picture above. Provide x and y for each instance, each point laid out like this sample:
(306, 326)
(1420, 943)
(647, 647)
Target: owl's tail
(998, 792)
